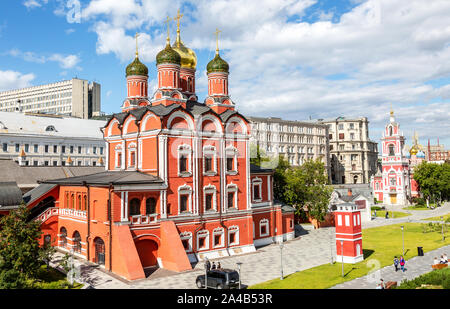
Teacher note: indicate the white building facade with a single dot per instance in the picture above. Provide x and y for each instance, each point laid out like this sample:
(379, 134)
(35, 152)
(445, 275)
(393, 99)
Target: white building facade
(75, 97)
(51, 140)
(297, 141)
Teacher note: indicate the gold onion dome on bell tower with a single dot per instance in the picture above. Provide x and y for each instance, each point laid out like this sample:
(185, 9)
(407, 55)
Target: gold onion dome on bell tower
(188, 56)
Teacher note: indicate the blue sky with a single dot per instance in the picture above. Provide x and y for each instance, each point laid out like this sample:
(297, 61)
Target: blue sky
(288, 58)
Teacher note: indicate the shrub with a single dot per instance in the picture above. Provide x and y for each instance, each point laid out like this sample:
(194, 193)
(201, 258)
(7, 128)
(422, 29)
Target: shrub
(440, 277)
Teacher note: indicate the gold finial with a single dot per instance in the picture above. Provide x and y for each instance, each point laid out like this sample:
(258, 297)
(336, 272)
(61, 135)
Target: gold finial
(178, 19)
(217, 40)
(168, 19)
(136, 37)
(392, 111)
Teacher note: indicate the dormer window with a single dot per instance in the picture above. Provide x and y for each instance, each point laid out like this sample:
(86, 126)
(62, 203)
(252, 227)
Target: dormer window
(50, 129)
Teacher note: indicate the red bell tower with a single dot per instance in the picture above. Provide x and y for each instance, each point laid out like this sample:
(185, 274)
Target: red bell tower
(348, 233)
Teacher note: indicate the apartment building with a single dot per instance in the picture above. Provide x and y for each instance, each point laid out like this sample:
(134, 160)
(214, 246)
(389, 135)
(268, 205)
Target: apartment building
(353, 156)
(75, 97)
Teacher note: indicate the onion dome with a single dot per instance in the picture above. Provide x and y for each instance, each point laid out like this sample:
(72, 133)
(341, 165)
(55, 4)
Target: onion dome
(188, 56)
(421, 154)
(168, 55)
(413, 151)
(217, 65)
(137, 68)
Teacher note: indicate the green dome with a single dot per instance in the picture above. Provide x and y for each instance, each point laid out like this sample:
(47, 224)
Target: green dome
(217, 65)
(168, 55)
(137, 68)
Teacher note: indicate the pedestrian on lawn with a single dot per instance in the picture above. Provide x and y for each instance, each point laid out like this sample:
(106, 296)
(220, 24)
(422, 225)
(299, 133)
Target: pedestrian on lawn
(396, 262)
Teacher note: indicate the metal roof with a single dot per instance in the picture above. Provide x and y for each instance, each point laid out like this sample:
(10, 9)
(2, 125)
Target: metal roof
(10, 194)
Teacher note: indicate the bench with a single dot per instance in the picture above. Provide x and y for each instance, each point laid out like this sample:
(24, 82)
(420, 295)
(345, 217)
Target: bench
(391, 284)
(439, 266)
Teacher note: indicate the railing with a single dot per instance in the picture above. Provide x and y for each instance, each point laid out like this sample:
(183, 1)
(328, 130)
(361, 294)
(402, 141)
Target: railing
(72, 213)
(49, 212)
(144, 219)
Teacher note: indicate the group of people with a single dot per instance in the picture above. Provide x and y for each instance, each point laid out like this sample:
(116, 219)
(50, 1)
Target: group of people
(399, 262)
(443, 260)
(209, 267)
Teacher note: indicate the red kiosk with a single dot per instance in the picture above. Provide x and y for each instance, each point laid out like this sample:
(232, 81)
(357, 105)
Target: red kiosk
(348, 233)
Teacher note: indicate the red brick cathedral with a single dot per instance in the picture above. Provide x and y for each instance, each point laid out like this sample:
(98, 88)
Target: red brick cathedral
(178, 185)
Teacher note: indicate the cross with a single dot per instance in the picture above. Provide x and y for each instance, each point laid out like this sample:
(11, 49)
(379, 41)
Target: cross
(136, 37)
(178, 18)
(168, 22)
(217, 40)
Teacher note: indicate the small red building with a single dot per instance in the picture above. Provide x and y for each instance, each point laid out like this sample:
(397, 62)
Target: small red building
(348, 233)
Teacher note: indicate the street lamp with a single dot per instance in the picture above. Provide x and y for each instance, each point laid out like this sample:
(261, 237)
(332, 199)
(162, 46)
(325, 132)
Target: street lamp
(331, 247)
(442, 219)
(239, 270)
(403, 242)
(342, 257)
(281, 260)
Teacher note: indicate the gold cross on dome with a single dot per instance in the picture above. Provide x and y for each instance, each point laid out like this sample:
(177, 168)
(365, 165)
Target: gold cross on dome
(217, 40)
(168, 19)
(136, 37)
(178, 18)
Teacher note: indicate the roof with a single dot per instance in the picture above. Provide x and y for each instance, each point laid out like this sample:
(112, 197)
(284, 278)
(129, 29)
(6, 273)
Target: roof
(255, 169)
(30, 176)
(25, 124)
(37, 192)
(108, 177)
(10, 195)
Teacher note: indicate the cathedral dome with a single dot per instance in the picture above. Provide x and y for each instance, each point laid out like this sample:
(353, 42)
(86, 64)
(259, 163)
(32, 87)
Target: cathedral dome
(217, 65)
(421, 154)
(137, 68)
(168, 55)
(413, 151)
(188, 56)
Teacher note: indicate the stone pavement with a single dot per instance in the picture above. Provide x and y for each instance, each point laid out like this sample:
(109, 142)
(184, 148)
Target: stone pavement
(311, 249)
(415, 267)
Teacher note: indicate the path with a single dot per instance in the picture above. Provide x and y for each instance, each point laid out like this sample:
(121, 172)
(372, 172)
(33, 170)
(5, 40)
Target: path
(415, 267)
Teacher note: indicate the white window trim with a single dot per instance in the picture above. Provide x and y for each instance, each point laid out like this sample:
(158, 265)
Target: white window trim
(185, 190)
(132, 148)
(187, 236)
(208, 190)
(339, 220)
(203, 234)
(257, 182)
(233, 230)
(210, 150)
(264, 222)
(118, 149)
(186, 150)
(219, 231)
(232, 188)
(232, 152)
(347, 220)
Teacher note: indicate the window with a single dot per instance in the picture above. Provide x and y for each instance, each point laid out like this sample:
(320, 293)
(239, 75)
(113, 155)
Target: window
(341, 135)
(27, 147)
(150, 206)
(352, 125)
(36, 148)
(391, 150)
(230, 199)
(63, 237)
(55, 163)
(393, 181)
(46, 148)
(76, 242)
(17, 147)
(71, 149)
(101, 150)
(264, 227)
(184, 202)
(135, 207)
(256, 192)
(46, 163)
(5, 147)
(208, 201)
(79, 149)
(55, 149)
(347, 220)
(183, 163)
(63, 149)
(230, 164)
(233, 235)
(209, 162)
(94, 150)
(203, 240)
(218, 237)
(341, 126)
(184, 155)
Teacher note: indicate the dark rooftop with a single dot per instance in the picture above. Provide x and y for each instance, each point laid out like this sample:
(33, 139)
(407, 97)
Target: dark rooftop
(10, 195)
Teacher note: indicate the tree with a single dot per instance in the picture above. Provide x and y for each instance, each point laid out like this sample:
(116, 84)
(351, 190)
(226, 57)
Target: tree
(433, 180)
(306, 188)
(19, 248)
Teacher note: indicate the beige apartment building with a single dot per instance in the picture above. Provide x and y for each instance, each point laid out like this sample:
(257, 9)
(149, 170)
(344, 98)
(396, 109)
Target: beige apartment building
(353, 156)
(297, 141)
(75, 97)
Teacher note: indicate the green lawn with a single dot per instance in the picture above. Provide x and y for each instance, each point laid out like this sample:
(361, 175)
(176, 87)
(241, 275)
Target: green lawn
(51, 279)
(380, 245)
(446, 217)
(397, 214)
(420, 207)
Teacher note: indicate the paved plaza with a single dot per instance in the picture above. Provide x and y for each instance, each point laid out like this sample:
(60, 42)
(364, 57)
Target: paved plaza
(311, 248)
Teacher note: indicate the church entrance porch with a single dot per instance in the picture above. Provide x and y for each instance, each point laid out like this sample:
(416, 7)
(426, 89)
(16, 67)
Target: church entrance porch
(148, 252)
(393, 198)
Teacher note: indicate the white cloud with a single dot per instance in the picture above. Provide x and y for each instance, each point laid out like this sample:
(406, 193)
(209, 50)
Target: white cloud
(14, 80)
(31, 4)
(64, 61)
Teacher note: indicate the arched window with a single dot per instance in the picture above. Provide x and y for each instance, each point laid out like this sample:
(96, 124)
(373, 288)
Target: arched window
(63, 237)
(391, 150)
(390, 131)
(150, 206)
(135, 207)
(79, 202)
(72, 201)
(76, 239)
(99, 251)
(84, 203)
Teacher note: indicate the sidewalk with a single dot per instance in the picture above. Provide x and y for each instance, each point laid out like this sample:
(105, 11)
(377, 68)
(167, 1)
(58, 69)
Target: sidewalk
(415, 267)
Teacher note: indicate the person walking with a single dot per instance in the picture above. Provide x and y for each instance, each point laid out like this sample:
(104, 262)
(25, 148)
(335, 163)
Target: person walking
(383, 286)
(213, 266)
(219, 266)
(396, 262)
(207, 264)
(402, 263)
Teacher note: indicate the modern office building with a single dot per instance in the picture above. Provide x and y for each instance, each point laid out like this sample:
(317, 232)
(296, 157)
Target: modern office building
(353, 156)
(75, 97)
(297, 141)
(51, 140)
